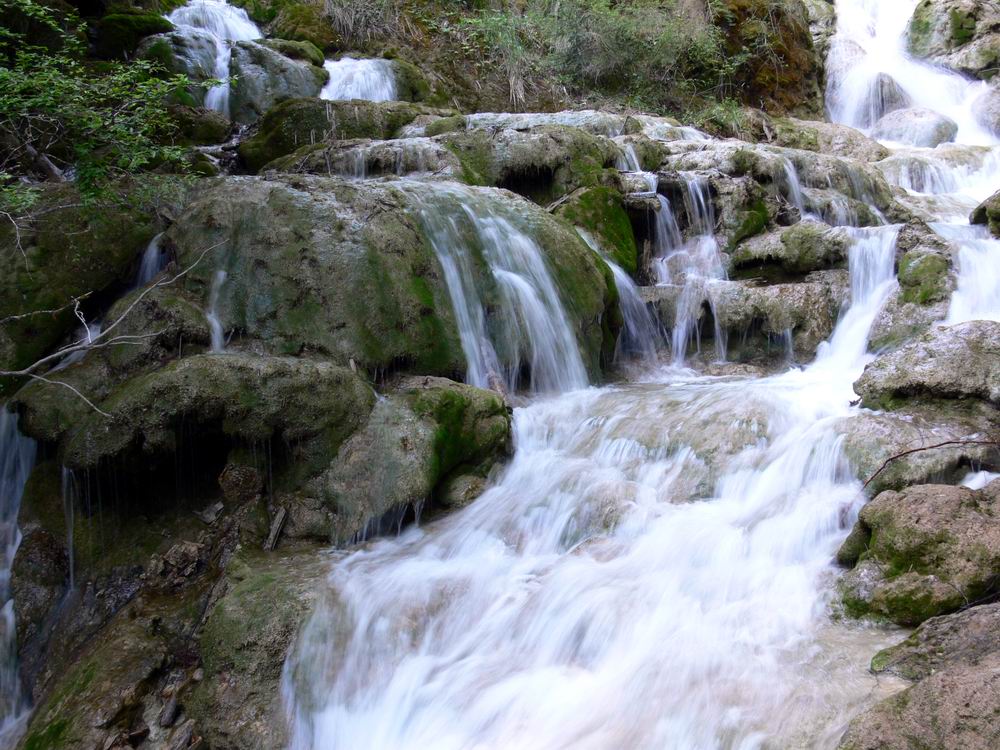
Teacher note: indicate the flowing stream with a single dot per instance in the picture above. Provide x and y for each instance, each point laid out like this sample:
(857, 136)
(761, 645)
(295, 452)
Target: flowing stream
(352, 78)
(653, 568)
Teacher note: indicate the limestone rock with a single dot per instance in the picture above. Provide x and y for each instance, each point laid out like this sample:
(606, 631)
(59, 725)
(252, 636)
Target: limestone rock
(265, 77)
(960, 361)
(963, 35)
(988, 213)
(915, 126)
(922, 552)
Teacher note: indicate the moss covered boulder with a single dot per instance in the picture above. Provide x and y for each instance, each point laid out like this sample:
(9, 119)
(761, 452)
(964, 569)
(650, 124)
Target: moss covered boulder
(64, 251)
(296, 50)
(198, 126)
(987, 213)
(299, 123)
(922, 552)
(792, 251)
(264, 77)
(601, 211)
(963, 35)
(426, 431)
(119, 34)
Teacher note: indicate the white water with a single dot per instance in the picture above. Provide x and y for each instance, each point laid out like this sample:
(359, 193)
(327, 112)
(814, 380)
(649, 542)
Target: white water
(218, 334)
(226, 24)
(350, 78)
(154, 260)
(17, 456)
(584, 602)
(529, 328)
(640, 331)
(870, 41)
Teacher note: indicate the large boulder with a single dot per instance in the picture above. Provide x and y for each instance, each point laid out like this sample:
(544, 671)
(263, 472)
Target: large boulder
(988, 213)
(922, 552)
(64, 251)
(264, 77)
(790, 252)
(954, 362)
(188, 51)
(313, 124)
(826, 137)
(963, 35)
(427, 431)
(915, 126)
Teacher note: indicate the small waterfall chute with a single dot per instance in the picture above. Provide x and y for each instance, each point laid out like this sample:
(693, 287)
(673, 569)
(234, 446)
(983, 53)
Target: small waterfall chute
(350, 78)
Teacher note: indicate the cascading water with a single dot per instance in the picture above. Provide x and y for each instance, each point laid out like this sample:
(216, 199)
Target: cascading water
(350, 78)
(225, 24)
(154, 260)
(585, 601)
(640, 331)
(17, 456)
(467, 227)
(218, 334)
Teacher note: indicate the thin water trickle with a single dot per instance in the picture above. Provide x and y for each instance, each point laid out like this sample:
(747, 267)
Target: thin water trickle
(17, 457)
(218, 334)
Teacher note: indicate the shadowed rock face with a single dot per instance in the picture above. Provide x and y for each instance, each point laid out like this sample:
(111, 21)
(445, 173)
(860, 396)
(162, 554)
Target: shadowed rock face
(923, 552)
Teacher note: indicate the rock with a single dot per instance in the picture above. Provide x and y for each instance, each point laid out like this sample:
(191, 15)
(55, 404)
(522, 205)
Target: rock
(954, 362)
(922, 552)
(67, 251)
(119, 34)
(304, 22)
(916, 126)
(822, 25)
(601, 211)
(963, 35)
(364, 158)
(345, 269)
(297, 123)
(986, 109)
(264, 599)
(826, 137)
(265, 77)
(872, 439)
(542, 164)
(988, 213)
(954, 708)
(963, 638)
(296, 50)
(188, 51)
(419, 435)
(198, 126)
(790, 251)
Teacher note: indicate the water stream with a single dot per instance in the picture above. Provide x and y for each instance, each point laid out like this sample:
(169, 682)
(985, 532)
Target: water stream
(351, 78)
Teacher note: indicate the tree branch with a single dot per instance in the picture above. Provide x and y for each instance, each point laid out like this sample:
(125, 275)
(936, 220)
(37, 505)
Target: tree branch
(945, 444)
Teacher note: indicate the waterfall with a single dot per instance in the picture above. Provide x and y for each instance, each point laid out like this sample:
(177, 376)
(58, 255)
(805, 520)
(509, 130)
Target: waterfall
(154, 260)
(17, 457)
(225, 24)
(640, 331)
(868, 62)
(584, 601)
(218, 335)
(350, 78)
(529, 328)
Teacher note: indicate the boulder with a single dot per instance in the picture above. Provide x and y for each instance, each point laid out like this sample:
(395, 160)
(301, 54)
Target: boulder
(922, 552)
(963, 35)
(65, 250)
(915, 126)
(119, 34)
(601, 211)
(954, 362)
(988, 213)
(421, 434)
(296, 50)
(309, 124)
(198, 126)
(964, 638)
(265, 77)
(826, 137)
(188, 51)
(790, 252)
(953, 708)
(366, 158)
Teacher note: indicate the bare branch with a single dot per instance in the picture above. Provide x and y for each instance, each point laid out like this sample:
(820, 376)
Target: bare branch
(54, 311)
(945, 444)
(86, 400)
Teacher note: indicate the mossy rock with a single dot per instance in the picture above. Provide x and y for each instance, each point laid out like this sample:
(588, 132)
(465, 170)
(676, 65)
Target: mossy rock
(119, 34)
(67, 251)
(198, 126)
(296, 123)
(987, 213)
(601, 211)
(301, 22)
(411, 84)
(924, 277)
(297, 50)
(445, 125)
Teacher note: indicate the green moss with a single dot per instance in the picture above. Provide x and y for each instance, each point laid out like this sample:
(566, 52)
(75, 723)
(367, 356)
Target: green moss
(302, 22)
(756, 220)
(963, 26)
(119, 34)
(50, 737)
(297, 50)
(411, 85)
(923, 277)
(601, 211)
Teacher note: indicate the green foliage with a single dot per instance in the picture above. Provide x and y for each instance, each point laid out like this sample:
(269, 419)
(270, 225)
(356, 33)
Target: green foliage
(59, 110)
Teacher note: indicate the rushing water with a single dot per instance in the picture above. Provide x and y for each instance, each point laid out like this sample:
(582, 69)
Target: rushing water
(17, 456)
(467, 227)
(350, 78)
(225, 24)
